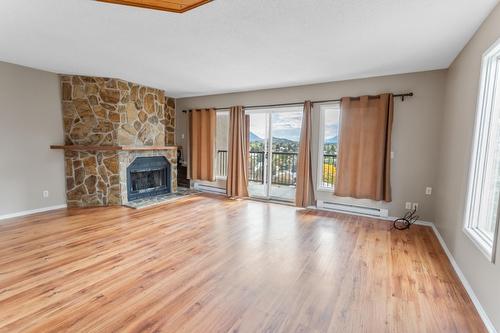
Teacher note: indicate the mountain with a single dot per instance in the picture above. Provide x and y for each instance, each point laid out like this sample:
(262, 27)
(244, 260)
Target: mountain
(283, 141)
(254, 137)
(332, 140)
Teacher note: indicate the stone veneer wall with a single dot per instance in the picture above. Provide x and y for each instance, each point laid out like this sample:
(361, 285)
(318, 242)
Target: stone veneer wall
(102, 111)
(110, 112)
(92, 178)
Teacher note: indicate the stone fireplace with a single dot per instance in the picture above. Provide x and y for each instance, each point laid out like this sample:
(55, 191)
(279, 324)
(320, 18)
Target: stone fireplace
(119, 140)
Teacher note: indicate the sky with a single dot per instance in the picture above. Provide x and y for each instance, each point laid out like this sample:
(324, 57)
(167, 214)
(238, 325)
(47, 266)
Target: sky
(331, 122)
(287, 123)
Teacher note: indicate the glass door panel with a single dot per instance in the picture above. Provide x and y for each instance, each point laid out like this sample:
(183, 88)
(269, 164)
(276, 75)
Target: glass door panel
(285, 135)
(259, 145)
(274, 147)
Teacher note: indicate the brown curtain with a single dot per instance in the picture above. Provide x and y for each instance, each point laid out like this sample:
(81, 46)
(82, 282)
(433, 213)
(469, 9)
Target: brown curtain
(237, 164)
(304, 194)
(364, 155)
(202, 144)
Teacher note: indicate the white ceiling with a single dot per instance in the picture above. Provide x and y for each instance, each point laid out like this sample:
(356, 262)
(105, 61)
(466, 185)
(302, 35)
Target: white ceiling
(236, 45)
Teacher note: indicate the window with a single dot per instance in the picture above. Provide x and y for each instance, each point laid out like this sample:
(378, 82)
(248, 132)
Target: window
(481, 215)
(328, 140)
(221, 144)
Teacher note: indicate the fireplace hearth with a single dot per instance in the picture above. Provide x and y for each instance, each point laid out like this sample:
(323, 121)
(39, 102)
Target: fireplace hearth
(147, 177)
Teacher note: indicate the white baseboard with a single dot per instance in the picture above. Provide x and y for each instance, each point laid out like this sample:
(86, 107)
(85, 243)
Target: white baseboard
(425, 223)
(32, 211)
(486, 320)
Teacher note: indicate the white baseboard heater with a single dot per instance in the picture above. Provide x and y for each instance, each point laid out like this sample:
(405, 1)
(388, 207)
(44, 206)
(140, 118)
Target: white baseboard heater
(209, 188)
(353, 209)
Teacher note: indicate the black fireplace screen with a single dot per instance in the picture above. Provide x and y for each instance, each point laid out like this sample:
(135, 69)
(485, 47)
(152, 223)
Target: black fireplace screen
(146, 180)
(148, 176)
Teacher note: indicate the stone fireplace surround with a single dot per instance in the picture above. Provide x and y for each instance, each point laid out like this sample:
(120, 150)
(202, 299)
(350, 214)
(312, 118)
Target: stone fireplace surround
(108, 123)
(148, 176)
(126, 158)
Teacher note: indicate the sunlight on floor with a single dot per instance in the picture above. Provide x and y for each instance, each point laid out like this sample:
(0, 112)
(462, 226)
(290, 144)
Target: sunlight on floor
(282, 192)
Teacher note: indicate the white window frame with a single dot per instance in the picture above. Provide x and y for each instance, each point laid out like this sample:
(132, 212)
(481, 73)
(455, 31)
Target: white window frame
(490, 72)
(321, 146)
(216, 161)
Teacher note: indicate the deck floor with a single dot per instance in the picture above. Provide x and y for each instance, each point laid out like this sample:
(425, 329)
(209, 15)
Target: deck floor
(281, 192)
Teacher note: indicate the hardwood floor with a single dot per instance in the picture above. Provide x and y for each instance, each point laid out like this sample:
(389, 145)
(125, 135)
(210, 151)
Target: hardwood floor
(206, 264)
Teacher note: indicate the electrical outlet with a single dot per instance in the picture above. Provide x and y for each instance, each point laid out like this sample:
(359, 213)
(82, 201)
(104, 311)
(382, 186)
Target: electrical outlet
(415, 206)
(408, 205)
(45, 194)
(428, 190)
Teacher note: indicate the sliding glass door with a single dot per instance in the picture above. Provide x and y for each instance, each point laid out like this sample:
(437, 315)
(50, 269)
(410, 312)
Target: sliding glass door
(274, 147)
(259, 153)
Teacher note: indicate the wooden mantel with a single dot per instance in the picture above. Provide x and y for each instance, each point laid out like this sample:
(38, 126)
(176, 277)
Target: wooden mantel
(111, 148)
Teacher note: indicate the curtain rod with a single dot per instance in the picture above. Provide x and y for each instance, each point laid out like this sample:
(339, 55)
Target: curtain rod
(402, 96)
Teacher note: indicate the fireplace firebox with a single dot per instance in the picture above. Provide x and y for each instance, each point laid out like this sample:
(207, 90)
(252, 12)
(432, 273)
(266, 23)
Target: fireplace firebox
(147, 177)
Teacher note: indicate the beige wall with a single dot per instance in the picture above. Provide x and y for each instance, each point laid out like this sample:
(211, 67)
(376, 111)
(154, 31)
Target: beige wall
(416, 126)
(456, 139)
(30, 120)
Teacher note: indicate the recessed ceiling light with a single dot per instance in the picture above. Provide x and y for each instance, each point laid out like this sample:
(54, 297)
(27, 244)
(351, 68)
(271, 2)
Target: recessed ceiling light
(176, 6)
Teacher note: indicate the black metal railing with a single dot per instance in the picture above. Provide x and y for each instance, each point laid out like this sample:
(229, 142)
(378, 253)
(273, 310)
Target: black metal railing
(329, 170)
(256, 166)
(283, 167)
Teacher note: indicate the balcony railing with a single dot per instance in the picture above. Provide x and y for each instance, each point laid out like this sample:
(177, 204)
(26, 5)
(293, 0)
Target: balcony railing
(283, 167)
(256, 166)
(329, 170)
